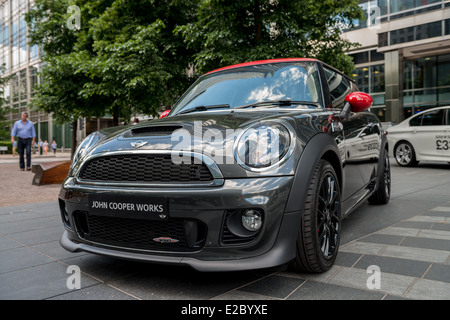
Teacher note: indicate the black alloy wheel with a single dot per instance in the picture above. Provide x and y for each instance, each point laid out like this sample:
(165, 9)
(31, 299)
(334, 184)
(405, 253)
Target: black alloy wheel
(320, 230)
(328, 216)
(382, 194)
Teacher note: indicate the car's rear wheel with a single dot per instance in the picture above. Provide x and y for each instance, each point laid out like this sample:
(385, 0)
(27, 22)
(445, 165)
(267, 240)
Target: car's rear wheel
(405, 154)
(383, 192)
(319, 235)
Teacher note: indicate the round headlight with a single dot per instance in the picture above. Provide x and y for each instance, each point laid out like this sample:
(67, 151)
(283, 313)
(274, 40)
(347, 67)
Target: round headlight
(263, 146)
(85, 146)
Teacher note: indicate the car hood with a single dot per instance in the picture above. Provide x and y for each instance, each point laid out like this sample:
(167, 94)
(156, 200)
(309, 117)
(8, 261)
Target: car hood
(212, 133)
(209, 126)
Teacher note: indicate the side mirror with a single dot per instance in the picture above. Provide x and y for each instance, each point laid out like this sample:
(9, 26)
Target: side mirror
(355, 102)
(359, 101)
(164, 114)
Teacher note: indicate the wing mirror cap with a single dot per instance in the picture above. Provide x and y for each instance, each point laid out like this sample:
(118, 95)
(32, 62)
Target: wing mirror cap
(165, 114)
(359, 101)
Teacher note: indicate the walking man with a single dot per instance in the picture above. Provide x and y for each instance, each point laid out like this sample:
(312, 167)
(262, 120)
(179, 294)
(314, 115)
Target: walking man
(26, 136)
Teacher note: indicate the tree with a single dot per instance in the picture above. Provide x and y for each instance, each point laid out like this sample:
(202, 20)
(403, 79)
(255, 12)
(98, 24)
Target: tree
(123, 60)
(139, 63)
(228, 32)
(61, 81)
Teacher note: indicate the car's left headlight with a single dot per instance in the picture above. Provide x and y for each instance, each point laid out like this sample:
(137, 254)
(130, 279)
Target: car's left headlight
(264, 146)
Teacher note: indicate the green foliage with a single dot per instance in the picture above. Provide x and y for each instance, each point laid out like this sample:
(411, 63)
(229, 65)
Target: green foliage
(124, 60)
(6, 144)
(228, 32)
(132, 56)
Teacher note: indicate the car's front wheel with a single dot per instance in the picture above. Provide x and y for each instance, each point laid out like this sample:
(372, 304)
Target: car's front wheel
(320, 230)
(405, 155)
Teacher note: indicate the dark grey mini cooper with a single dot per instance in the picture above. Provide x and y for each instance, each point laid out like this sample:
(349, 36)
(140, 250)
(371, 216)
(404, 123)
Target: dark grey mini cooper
(255, 166)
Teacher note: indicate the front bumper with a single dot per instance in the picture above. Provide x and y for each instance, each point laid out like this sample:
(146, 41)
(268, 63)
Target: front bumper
(273, 245)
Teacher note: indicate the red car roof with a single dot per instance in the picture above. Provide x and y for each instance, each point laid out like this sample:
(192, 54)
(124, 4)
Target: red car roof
(253, 63)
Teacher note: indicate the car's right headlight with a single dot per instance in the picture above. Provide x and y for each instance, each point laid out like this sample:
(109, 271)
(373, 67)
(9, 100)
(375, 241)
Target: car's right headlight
(85, 146)
(263, 146)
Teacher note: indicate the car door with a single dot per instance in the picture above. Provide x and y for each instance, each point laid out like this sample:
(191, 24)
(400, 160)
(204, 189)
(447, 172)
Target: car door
(356, 138)
(430, 135)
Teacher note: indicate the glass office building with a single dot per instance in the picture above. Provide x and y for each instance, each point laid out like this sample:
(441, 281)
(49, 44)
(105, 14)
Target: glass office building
(21, 62)
(404, 57)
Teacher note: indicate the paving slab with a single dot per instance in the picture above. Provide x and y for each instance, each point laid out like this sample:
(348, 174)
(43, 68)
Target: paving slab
(312, 290)
(408, 239)
(429, 290)
(419, 254)
(39, 282)
(406, 267)
(21, 258)
(393, 284)
(439, 272)
(95, 292)
(275, 286)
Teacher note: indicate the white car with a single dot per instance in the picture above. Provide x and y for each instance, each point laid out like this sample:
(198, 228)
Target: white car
(422, 137)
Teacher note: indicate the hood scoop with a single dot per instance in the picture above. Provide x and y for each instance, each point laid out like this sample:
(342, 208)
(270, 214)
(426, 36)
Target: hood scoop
(154, 130)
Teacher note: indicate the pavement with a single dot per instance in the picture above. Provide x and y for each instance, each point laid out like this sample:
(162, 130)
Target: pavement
(397, 251)
(17, 185)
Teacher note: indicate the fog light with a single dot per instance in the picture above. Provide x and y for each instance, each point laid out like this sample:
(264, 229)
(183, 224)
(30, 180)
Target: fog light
(251, 220)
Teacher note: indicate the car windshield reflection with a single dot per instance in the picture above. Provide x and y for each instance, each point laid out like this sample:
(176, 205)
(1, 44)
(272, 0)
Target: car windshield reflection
(255, 84)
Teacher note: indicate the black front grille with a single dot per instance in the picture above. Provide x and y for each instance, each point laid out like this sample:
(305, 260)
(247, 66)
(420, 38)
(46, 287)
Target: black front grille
(141, 234)
(144, 168)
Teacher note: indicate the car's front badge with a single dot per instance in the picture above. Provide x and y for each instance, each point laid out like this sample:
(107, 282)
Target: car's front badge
(138, 144)
(165, 240)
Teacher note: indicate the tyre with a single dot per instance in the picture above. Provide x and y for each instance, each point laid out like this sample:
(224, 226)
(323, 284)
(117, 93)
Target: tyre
(319, 235)
(383, 191)
(405, 155)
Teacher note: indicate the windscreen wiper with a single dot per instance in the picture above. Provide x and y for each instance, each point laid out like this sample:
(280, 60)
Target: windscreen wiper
(204, 108)
(279, 103)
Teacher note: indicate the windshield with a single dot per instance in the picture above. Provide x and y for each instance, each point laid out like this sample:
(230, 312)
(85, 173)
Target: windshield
(298, 81)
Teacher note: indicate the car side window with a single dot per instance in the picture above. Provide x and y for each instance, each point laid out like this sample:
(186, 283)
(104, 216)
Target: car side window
(430, 118)
(448, 117)
(339, 86)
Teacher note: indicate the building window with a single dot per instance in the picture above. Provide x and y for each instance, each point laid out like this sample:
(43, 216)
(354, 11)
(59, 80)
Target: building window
(367, 56)
(444, 79)
(361, 76)
(400, 5)
(370, 76)
(361, 57)
(420, 32)
(429, 30)
(383, 39)
(426, 83)
(34, 50)
(23, 85)
(15, 87)
(371, 80)
(33, 80)
(407, 5)
(402, 35)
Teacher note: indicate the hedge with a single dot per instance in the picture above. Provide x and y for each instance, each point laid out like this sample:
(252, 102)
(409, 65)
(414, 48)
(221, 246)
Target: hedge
(7, 144)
